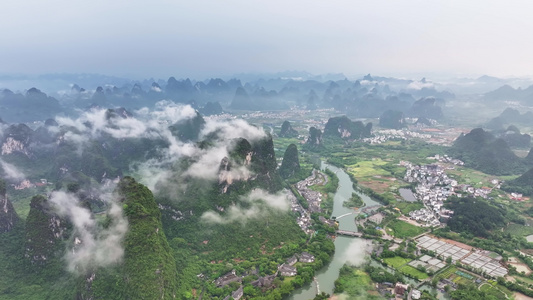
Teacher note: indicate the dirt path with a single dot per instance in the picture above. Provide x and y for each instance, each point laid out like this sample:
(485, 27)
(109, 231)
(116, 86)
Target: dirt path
(519, 296)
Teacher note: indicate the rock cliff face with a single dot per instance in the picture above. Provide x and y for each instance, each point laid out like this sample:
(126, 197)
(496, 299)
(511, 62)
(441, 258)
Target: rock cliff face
(17, 139)
(8, 216)
(11, 145)
(345, 128)
(254, 163)
(44, 231)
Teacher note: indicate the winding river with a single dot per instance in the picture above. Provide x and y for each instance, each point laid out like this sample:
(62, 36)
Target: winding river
(346, 248)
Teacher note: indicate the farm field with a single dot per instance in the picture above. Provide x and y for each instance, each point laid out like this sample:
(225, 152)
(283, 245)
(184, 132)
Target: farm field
(396, 261)
(408, 270)
(403, 229)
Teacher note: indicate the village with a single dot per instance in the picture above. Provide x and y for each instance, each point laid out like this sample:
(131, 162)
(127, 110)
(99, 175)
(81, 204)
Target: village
(286, 269)
(434, 187)
(382, 136)
(427, 259)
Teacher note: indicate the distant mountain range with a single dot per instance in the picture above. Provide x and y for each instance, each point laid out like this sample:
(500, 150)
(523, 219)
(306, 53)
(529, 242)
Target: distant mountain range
(368, 97)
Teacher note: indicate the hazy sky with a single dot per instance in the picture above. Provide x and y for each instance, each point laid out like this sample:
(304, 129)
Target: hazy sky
(198, 38)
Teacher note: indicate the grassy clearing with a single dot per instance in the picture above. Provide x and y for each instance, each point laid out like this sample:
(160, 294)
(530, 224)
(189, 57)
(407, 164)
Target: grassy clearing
(22, 207)
(396, 261)
(380, 185)
(288, 279)
(401, 229)
(518, 230)
(524, 279)
(497, 291)
(408, 270)
(461, 280)
(472, 177)
(407, 207)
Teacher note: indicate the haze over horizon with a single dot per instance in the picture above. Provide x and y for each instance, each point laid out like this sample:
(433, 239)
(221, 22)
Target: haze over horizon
(203, 39)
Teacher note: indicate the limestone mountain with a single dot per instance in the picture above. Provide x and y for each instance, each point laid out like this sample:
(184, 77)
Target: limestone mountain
(392, 119)
(44, 232)
(17, 139)
(481, 150)
(242, 100)
(513, 137)
(422, 121)
(148, 266)
(34, 105)
(428, 107)
(522, 184)
(291, 163)
(287, 131)
(99, 97)
(510, 116)
(8, 215)
(314, 140)
(264, 164)
(529, 157)
(345, 128)
(211, 108)
(506, 93)
(189, 129)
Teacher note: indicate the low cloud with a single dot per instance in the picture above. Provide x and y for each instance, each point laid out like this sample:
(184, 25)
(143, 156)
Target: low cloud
(94, 246)
(278, 201)
(154, 124)
(259, 199)
(12, 172)
(208, 162)
(418, 85)
(147, 124)
(234, 213)
(233, 129)
(356, 253)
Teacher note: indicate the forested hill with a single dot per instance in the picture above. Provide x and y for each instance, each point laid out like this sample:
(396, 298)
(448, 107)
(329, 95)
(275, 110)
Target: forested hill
(149, 269)
(522, 184)
(480, 150)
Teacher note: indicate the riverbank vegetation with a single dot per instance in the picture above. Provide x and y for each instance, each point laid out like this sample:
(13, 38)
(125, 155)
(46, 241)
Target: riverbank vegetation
(355, 201)
(355, 283)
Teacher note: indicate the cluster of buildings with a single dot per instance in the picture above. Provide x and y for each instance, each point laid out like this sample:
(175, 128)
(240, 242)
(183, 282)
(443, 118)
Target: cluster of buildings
(446, 159)
(25, 184)
(382, 136)
(398, 290)
(288, 268)
(285, 269)
(313, 198)
(304, 217)
(433, 188)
